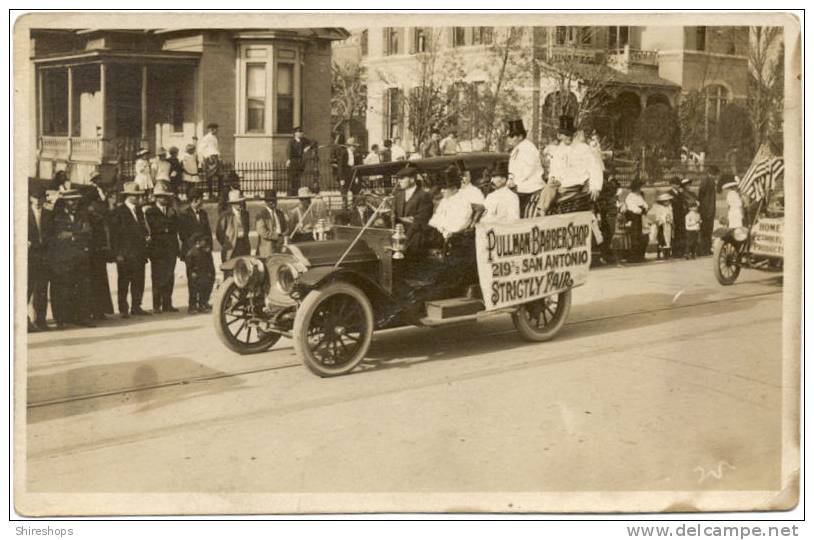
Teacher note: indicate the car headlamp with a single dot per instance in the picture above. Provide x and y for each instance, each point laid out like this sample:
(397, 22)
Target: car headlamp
(286, 277)
(740, 234)
(247, 271)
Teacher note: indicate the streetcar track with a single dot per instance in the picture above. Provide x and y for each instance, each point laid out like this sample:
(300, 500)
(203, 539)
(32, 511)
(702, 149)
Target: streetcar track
(219, 376)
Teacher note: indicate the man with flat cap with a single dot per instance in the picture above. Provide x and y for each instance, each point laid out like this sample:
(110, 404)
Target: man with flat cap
(525, 167)
(69, 258)
(129, 241)
(39, 225)
(270, 225)
(412, 207)
(164, 248)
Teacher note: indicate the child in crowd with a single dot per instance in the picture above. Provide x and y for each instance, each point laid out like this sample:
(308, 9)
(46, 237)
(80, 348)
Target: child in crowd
(693, 226)
(621, 241)
(201, 271)
(189, 167)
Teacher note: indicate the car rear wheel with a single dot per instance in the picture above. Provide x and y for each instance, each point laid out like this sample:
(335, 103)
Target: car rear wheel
(333, 329)
(725, 262)
(233, 321)
(542, 319)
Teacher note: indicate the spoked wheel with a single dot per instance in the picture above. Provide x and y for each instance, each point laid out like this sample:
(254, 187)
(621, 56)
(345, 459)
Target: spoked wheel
(233, 321)
(725, 262)
(542, 319)
(333, 328)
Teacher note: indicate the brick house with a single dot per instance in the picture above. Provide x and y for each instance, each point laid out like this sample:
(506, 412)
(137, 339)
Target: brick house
(102, 94)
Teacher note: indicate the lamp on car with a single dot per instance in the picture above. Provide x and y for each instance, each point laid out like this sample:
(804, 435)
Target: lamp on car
(398, 242)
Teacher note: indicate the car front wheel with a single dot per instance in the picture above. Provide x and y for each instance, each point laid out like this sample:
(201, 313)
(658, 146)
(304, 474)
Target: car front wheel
(725, 262)
(333, 329)
(235, 324)
(542, 319)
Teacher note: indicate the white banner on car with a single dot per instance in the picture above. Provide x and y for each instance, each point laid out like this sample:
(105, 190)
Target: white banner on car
(529, 259)
(767, 237)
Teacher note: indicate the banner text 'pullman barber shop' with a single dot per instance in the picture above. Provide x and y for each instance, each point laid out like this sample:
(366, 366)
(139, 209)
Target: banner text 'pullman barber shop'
(531, 258)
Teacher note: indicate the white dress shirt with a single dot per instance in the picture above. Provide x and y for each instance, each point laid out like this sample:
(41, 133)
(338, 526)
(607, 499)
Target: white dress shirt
(452, 215)
(502, 206)
(635, 203)
(208, 146)
(472, 194)
(525, 167)
(573, 164)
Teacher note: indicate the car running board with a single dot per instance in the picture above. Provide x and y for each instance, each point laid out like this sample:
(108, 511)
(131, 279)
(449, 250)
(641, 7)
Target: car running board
(455, 310)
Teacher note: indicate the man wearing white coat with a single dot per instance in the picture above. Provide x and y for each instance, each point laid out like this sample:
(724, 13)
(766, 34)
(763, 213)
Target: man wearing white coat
(502, 204)
(525, 167)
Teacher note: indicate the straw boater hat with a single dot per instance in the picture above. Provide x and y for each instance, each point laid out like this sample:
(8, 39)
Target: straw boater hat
(70, 194)
(304, 193)
(142, 152)
(131, 188)
(664, 197)
(235, 196)
(729, 185)
(686, 181)
(162, 190)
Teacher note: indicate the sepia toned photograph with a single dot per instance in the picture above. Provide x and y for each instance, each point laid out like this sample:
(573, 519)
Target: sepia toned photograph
(406, 263)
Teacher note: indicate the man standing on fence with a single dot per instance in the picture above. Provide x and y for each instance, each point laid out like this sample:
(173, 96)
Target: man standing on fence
(209, 156)
(298, 148)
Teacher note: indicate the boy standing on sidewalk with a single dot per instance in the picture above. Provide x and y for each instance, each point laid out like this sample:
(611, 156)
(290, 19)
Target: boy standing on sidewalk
(693, 226)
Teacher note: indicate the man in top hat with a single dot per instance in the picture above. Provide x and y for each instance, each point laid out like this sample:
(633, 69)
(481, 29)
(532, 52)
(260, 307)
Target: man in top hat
(194, 223)
(525, 167)
(270, 225)
(298, 147)
(69, 258)
(144, 173)
(39, 229)
(209, 157)
(233, 229)
(129, 236)
(734, 215)
(575, 166)
(164, 247)
(502, 204)
(412, 207)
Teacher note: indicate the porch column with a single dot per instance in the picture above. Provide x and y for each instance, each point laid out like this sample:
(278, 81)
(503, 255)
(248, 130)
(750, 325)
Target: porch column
(144, 102)
(70, 109)
(101, 132)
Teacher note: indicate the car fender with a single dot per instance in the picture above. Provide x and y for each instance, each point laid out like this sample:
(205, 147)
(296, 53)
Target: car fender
(314, 278)
(725, 234)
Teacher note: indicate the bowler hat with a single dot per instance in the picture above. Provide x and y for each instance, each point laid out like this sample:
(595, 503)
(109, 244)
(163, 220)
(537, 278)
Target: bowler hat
(407, 170)
(162, 189)
(235, 196)
(70, 194)
(567, 125)
(132, 188)
(269, 195)
(516, 127)
(304, 193)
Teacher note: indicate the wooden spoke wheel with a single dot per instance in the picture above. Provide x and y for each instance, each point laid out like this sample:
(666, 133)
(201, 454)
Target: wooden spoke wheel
(234, 315)
(333, 328)
(725, 263)
(542, 319)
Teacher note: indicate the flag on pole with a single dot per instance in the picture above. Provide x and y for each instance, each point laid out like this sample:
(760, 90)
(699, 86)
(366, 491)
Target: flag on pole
(762, 176)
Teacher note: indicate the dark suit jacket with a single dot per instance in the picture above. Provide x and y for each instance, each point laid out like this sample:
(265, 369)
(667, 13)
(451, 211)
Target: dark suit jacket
(128, 235)
(359, 221)
(189, 225)
(296, 150)
(264, 225)
(706, 198)
(68, 241)
(163, 232)
(419, 207)
(38, 238)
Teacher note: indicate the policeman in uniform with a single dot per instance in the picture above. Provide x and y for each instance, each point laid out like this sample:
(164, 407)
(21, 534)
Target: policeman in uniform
(69, 258)
(162, 224)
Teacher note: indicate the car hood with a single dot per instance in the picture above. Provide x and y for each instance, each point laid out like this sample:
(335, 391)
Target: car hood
(328, 252)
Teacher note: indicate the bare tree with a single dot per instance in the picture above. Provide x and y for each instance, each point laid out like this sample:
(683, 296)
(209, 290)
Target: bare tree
(765, 102)
(348, 94)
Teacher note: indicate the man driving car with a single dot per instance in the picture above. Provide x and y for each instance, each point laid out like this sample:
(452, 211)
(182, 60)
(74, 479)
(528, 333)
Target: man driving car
(412, 207)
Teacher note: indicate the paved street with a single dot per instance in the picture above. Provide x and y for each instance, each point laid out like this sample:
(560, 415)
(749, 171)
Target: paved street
(660, 376)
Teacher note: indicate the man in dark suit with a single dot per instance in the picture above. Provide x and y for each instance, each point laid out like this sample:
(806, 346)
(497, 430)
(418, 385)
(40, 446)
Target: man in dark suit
(69, 259)
(194, 223)
(706, 201)
(129, 235)
(162, 224)
(298, 147)
(39, 225)
(271, 226)
(232, 230)
(412, 207)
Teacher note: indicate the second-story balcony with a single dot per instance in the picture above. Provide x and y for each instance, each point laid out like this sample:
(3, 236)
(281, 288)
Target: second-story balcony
(626, 59)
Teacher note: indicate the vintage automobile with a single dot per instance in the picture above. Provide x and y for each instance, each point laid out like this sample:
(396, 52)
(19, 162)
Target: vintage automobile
(758, 246)
(329, 296)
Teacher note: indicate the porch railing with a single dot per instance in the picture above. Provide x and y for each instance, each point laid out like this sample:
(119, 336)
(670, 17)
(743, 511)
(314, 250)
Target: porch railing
(54, 147)
(86, 149)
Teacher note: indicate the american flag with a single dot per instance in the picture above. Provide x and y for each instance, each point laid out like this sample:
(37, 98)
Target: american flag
(761, 177)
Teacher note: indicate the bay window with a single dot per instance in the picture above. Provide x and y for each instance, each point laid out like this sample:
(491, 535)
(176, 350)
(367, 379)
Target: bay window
(270, 89)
